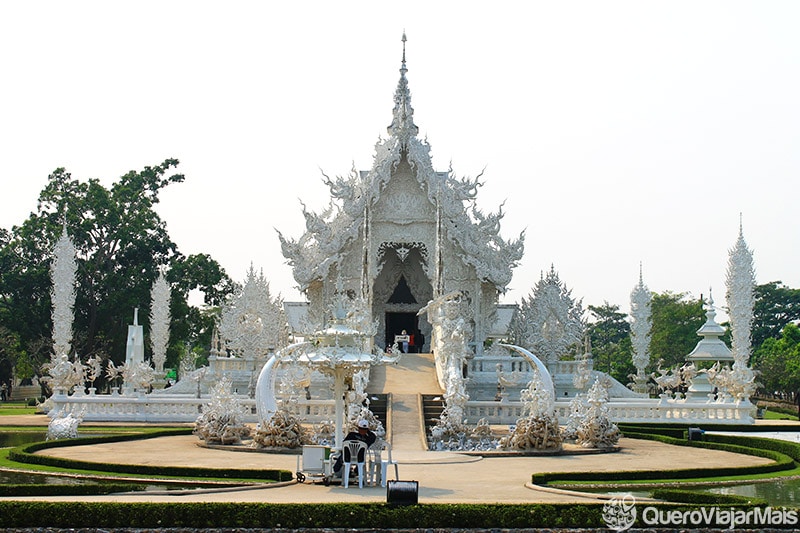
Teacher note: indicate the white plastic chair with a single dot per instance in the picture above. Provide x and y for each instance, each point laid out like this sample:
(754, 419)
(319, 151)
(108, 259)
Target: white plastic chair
(385, 463)
(374, 466)
(353, 451)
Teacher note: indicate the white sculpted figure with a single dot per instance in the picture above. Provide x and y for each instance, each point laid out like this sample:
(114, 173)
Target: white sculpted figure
(450, 339)
(64, 427)
(94, 369)
(222, 419)
(60, 374)
(596, 430)
(549, 322)
(538, 427)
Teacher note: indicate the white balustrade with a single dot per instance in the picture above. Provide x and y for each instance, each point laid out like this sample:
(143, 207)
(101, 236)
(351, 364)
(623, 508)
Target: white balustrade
(644, 411)
(185, 408)
(175, 408)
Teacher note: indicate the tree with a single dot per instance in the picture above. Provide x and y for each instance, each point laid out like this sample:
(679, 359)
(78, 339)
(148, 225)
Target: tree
(776, 305)
(675, 321)
(121, 243)
(610, 334)
(778, 362)
(191, 324)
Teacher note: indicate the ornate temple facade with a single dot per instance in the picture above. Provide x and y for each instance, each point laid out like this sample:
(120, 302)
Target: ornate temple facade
(402, 234)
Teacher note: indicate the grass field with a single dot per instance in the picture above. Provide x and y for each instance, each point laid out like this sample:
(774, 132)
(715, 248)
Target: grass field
(16, 408)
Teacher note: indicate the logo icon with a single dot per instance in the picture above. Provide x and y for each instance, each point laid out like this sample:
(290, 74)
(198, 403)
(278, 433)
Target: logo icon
(619, 513)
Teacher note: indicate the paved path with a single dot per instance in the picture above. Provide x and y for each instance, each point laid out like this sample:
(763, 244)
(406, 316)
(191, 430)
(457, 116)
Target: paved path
(443, 477)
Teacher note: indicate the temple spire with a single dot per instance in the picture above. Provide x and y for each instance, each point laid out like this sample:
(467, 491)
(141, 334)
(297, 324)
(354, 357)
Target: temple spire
(402, 126)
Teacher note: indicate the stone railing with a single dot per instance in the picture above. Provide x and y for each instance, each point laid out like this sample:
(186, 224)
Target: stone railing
(646, 410)
(186, 408)
(176, 408)
(487, 364)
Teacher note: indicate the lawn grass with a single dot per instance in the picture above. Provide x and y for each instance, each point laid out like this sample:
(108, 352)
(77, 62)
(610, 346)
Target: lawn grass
(16, 408)
(772, 415)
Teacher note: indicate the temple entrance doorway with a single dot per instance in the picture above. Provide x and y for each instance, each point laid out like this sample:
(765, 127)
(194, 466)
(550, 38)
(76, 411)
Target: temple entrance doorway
(396, 323)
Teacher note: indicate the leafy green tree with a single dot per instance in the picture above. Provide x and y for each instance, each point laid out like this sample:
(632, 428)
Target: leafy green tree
(675, 321)
(776, 305)
(191, 324)
(610, 334)
(778, 363)
(121, 243)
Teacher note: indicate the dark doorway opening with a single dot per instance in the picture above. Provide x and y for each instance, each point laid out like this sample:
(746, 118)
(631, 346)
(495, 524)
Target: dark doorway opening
(396, 323)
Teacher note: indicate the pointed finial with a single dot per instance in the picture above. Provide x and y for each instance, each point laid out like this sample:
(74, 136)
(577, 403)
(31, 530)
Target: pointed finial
(402, 126)
(404, 48)
(641, 278)
(741, 225)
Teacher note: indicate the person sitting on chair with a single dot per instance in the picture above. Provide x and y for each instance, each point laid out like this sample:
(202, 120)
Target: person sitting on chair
(363, 433)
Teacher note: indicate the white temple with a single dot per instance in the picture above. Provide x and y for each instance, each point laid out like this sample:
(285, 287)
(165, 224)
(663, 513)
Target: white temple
(402, 234)
(395, 239)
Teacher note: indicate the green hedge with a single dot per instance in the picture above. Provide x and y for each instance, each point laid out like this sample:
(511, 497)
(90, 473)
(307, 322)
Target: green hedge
(374, 516)
(40, 489)
(782, 453)
(25, 454)
(371, 516)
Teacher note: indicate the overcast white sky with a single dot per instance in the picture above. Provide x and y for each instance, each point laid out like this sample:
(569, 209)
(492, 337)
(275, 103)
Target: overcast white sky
(615, 132)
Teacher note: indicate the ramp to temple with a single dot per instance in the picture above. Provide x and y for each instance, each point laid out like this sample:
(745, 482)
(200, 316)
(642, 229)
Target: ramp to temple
(405, 381)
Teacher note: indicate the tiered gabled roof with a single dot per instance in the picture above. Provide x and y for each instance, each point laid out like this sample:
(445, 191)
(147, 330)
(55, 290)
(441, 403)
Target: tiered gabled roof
(476, 234)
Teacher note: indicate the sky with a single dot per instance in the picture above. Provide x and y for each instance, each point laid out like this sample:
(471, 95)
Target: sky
(615, 134)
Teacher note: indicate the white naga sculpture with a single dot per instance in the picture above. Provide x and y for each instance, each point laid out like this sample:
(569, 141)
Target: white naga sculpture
(740, 296)
(550, 323)
(159, 321)
(447, 315)
(640, 332)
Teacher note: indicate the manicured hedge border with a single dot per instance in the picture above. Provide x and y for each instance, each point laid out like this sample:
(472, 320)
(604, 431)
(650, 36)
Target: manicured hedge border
(24, 454)
(782, 453)
(67, 490)
(371, 516)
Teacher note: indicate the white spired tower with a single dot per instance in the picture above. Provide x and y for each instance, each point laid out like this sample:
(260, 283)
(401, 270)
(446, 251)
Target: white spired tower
(740, 295)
